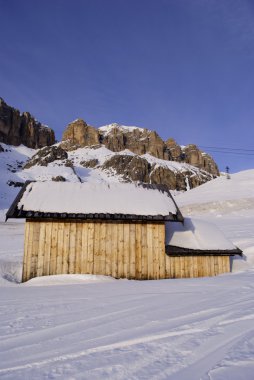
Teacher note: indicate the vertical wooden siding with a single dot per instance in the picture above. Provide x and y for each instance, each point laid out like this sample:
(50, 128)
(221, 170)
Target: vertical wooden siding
(121, 250)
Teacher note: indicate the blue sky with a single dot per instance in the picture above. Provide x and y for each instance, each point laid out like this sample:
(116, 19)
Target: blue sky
(184, 68)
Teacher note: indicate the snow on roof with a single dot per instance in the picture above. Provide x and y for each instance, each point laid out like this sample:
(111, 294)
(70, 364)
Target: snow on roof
(196, 234)
(88, 198)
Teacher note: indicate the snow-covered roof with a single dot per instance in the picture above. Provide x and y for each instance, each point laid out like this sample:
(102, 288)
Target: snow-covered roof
(90, 198)
(195, 234)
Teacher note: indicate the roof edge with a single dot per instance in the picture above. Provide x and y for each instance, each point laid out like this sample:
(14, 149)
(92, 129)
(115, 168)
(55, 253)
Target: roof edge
(172, 250)
(11, 213)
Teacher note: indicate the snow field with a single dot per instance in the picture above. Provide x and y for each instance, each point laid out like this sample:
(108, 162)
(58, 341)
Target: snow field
(168, 329)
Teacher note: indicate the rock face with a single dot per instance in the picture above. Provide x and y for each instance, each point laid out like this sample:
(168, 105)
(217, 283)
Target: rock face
(21, 128)
(138, 169)
(80, 134)
(131, 168)
(46, 155)
(139, 141)
(195, 157)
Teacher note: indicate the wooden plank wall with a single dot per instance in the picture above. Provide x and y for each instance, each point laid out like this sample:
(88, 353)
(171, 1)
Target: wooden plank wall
(121, 250)
(196, 266)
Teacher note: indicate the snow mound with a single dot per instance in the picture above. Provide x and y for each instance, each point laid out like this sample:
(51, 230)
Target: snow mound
(67, 279)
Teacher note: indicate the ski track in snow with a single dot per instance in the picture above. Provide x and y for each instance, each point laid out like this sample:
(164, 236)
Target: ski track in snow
(179, 329)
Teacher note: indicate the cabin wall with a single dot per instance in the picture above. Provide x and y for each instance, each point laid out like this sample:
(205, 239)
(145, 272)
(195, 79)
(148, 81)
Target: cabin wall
(196, 266)
(121, 250)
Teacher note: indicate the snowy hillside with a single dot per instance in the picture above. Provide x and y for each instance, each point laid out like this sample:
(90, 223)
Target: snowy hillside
(11, 163)
(240, 186)
(229, 203)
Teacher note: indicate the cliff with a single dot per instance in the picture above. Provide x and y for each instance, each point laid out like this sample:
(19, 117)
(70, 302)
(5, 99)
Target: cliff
(139, 141)
(21, 128)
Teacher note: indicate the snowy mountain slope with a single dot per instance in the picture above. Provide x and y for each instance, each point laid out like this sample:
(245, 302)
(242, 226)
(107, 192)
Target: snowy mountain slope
(239, 186)
(76, 168)
(11, 163)
(229, 203)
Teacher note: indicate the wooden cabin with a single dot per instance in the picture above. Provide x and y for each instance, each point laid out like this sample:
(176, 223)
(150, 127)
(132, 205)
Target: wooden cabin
(116, 230)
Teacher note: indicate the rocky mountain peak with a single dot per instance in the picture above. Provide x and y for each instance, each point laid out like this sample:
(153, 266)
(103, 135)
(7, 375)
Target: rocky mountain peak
(117, 137)
(78, 132)
(22, 128)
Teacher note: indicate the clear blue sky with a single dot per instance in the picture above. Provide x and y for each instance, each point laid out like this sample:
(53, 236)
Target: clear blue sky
(184, 68)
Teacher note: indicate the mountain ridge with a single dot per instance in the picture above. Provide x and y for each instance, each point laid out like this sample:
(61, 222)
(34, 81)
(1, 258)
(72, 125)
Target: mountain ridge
(22, 128)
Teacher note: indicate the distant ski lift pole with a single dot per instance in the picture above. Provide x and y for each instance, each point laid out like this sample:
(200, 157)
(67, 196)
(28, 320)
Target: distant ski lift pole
(227, 171)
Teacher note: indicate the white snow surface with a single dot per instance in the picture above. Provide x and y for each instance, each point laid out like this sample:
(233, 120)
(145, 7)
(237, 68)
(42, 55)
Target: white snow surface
(196, 234)
(106, 129)
(75, 327)
(238, 187)
(86, 198)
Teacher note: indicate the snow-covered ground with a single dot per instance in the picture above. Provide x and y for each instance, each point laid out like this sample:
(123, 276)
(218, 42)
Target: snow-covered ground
(83, 327)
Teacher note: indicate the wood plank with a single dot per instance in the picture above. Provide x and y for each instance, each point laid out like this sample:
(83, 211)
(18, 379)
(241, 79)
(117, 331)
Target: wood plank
(60, 248)
(144, 260)
(177, 267)
(138, 250)
(114, 235)
(212, 265)
(132, 269)
(41, 248)
(53, 253)
(126, 250)
(30, 251)
(102, 253)
(108, 252)
(220, 265)
(208, 260)
(78, 247)
(200, 267)
(120, 250)
(84, 248)
(66, 248)
(195, 266)
(156, 261)
(182, 266)
(26, 256)
(216, 266)
(162, 253)
(205, 266)
(35, 246)
(172, 266)
(150, 252)
(90, 247)
(97, 248)
(47, 248)
(227, 264)
(191, 267)
(187, 266)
